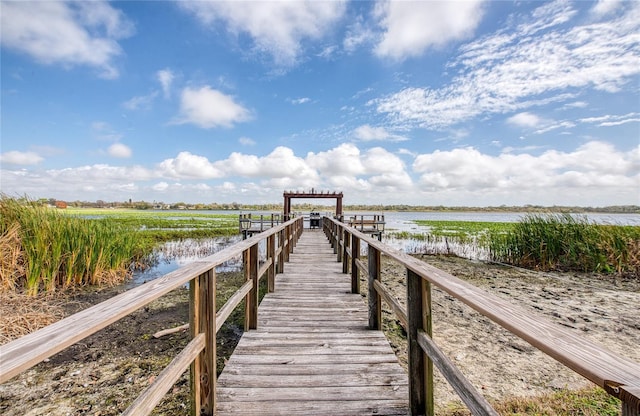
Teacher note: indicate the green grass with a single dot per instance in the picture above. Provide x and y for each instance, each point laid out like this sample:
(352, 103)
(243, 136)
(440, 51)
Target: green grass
(565, 242)
(160, 226)
(465, 231)
(44, 249)
(544, 242)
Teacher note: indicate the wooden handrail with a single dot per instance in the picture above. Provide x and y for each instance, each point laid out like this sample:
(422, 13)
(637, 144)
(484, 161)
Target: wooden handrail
(618, 375)
(25, 352)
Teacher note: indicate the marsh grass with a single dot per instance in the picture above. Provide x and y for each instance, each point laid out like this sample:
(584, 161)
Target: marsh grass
(43, 250)
(566, 242)
(161, 226)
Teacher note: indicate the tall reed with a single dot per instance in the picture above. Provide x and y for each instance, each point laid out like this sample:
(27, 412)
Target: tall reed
(566, 242)
(59, 251)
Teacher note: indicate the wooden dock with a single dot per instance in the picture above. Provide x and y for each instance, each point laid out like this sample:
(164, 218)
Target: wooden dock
(312, 353)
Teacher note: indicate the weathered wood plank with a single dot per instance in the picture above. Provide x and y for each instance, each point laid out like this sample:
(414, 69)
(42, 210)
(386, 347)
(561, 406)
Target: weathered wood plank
(275, 371)
(312, 352)
(314, 380)
(310, 408)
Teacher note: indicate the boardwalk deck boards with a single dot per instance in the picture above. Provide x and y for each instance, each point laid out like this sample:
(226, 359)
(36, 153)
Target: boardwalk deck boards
(312, 353)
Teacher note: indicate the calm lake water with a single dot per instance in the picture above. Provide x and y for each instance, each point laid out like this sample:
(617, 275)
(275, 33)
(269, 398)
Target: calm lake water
(175, 254)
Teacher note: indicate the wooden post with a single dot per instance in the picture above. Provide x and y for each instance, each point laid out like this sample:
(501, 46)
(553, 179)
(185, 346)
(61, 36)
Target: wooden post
(202, 307)
(271, 255)
(287, 243)
(345, 252)
(251, 300)
(420, 365)
(339, 237)
(375, 304)
(630, 401)
(355, 270)
(281, 255)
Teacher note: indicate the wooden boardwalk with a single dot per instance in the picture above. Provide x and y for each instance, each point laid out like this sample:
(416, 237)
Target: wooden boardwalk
(312, 353)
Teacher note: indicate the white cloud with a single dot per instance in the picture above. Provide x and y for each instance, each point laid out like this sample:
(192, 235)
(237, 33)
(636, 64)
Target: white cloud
(298, 101)
(344, 160)
(592, 165)
(119, 150)
(141, 102)
(358, 33)
(277, 28)
(612, 120)
(511, 70)
(280, 163)
(15, 157)
(604, 7)
(368, 133)
(524, 120)
(412, 27)
(165, 78)
(208, 108)
(188, 165)
(160, 186)
(595, 173)
(246, 141)
(66, 33)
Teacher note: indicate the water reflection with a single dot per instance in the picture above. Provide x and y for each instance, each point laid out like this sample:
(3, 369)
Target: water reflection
(172, 255)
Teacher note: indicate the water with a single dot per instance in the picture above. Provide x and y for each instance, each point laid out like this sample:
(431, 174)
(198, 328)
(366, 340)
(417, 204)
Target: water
(170, 256)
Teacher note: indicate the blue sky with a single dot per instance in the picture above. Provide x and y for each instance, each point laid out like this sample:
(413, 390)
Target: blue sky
(427, 103)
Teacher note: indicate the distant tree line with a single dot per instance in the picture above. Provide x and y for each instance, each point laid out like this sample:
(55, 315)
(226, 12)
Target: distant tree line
(235, 206)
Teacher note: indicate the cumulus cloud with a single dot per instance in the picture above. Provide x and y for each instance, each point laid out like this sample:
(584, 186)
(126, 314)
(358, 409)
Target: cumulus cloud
(15, 157)
(208, 108)
(368, 133)
(276, 29)
(66, 33)
(512, 70)
(188, 165)
(119, 150)
(280, 163)
(340, 161)
(595, 173)
(412, 27)
(594, 164)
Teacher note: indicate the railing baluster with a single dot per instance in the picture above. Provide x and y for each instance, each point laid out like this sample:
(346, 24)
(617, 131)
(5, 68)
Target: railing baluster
(202, 311)
(282, 248)
(194, 329)
(345, 252)
(251, 300)
(375, 306)
(271, 255)
(420, 365)
(355, 269)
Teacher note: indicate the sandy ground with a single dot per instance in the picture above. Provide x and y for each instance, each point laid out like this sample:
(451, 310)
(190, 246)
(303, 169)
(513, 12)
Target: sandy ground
(499, 364)
(102, 374)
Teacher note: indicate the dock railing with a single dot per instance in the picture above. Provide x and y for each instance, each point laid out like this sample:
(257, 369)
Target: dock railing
(617, 375)
(200, 353)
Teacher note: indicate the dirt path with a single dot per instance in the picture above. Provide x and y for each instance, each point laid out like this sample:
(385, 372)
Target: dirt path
(101, 375)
